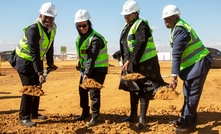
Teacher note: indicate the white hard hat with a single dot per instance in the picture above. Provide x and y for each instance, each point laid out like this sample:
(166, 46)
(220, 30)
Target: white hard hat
(48, 9)
(170, 10)
(129, 7)
(82, 15)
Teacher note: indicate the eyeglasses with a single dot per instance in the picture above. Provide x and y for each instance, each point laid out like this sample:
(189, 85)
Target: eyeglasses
(82, 26)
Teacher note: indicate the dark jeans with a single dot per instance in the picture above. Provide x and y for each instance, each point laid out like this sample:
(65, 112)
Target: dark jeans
(29, 104)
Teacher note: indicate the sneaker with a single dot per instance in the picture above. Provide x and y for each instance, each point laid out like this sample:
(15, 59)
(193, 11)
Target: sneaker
(39, 116)
(27, 123)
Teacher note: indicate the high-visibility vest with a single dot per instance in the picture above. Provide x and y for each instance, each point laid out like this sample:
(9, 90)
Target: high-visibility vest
(102, 58)
(150, 50)
(194, 51)
(23, 50)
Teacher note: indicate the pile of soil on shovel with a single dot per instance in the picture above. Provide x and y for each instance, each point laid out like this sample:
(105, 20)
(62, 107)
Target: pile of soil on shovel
(32, 90)
(166, 94)
(132, 76)
(91, 83)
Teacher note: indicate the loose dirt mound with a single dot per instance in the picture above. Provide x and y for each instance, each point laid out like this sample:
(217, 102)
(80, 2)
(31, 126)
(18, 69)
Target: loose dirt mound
(60, 103)
(91, 83)
(132, 76)
(32, 90)
(166, 94)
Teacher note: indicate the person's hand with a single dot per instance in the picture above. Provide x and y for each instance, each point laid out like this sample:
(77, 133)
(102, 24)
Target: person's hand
(173, 84)
(85, 77)
(126, 65)
(42, 78)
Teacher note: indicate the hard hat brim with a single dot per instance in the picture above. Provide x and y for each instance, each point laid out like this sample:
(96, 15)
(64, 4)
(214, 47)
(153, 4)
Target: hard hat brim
(166, 16)
(76, 21)
(125, 13)
(49, 15)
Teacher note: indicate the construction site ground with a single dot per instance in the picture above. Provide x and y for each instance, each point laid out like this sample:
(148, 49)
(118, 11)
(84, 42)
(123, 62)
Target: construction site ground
(61, 104)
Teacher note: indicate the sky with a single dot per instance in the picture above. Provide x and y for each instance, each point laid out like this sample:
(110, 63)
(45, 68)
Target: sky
(203, 15)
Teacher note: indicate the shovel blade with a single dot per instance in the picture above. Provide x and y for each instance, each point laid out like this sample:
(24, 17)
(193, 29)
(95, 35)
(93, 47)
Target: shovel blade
(129, 86)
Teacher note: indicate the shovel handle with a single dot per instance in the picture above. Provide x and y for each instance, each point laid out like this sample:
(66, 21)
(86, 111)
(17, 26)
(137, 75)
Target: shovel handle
(45, 76)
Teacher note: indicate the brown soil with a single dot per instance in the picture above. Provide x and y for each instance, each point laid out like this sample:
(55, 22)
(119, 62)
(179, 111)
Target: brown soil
(132, 76)
(91, 83)
(32, 90)
(60, 103)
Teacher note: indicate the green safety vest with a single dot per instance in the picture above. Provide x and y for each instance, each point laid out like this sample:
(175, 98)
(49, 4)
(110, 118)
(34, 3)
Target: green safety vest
(194, 51)
(23, 50)
(102, 58)
(150, 50)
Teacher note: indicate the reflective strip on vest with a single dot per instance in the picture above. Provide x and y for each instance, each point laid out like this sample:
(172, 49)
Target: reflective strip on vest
(150, 50)
(23, 50)
(102, 58)
(194, 51)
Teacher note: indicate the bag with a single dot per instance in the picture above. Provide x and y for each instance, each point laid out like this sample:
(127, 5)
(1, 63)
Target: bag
(12, 59)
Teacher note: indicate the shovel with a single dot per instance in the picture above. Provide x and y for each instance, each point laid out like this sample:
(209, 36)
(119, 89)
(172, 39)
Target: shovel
(90, 83)
(35, 90)
(127, 85)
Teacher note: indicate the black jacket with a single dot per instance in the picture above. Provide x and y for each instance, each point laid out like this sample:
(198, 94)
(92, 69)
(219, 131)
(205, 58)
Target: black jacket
(149, 68)
(36, 65)
(96, 45)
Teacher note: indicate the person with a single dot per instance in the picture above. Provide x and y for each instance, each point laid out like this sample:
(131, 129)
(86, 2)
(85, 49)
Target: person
(27, 59)
(191, 61)
(93, 63)
(139, 55)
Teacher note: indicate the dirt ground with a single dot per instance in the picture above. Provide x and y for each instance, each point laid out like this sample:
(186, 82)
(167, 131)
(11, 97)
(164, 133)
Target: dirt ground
(61, 104)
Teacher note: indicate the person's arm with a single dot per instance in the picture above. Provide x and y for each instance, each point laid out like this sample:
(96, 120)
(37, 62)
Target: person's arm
(50, 54)
(33, 38)
(96, 45)
(180, 39)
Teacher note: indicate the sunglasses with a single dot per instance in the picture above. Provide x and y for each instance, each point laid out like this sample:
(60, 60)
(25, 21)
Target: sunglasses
(82, 26)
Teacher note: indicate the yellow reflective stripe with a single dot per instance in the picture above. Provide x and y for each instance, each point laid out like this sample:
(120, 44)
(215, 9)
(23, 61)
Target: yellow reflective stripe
(102, 56)
(98, 63)
(194, 59)
(194, 53)
(23, 50)
(195, 50)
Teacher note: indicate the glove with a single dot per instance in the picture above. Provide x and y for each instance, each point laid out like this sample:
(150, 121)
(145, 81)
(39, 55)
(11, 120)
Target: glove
(52, 67)
(117, 54)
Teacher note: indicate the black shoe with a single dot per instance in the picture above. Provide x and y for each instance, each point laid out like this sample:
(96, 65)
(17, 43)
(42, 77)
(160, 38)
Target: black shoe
(183, 130)
(142, 123)
(176, 123)
(27, 123)
(39, 116)
(92, 122)
(82, 117)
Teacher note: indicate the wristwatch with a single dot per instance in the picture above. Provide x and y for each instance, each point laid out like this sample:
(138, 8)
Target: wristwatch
(175, 81)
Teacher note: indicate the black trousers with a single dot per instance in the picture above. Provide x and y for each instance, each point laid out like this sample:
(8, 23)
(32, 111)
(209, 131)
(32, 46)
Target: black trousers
(94, 94)
(141, 96)
(29, 104)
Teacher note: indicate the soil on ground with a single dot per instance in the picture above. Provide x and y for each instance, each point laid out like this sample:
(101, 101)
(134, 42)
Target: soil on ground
(60, 103)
